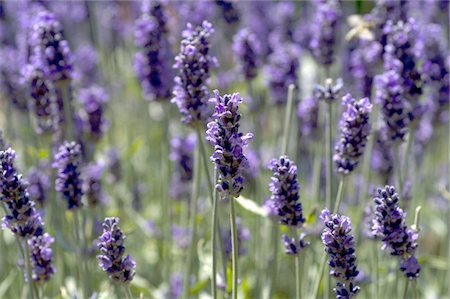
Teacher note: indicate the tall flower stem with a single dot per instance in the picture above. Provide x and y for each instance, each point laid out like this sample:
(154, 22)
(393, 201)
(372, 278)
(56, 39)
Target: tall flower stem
(234, 250)
(339, 195)
(165, 176)
(213, 242)
(405, 291)
(192, 222)
(128, 291)
(329, 151)
(77, 228)
(64, 88)
(28, 263)
(298, 279)
(398, 167)
(375, 269)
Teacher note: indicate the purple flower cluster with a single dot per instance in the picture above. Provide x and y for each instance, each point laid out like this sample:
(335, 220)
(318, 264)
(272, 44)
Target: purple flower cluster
(354, 129)
(93, 100)
(152, 59)
(293, 246)
(194, 63)
(340, 247)
(85, 65)
(389, 225)
(113, 165)
(38, 185)
(92, 184)
(324, 31)
(48, 43)
(281, 71)
(329, 92)
(382, 155)
(395, 109)
(23, 220)
(223, 133)
(243, 235)
(41, 255)
(229, 11)
(284, 202)
(68, 181)
(308, 116)
(181, 153)
(111, 244)
(10, 79)
(247, 49)
(181, 236)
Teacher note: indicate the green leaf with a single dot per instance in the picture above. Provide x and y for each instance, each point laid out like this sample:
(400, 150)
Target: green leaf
(6, 283)
(251, 206)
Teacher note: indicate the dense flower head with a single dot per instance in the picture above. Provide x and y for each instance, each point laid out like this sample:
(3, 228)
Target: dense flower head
(324, 31)
(281, 71)
(112, 261)
(12, 86)
(354, 129)
(41, 256)
(68, 181)
(38, 185)
(175, 286)
(182, 154)
(85, 65)
(223, 133)
(340, 247)
(93, 100)
(247, 50)
(308, 116)
(229, 11)
(22, 218)
(243, 235)
(193, 63)
(293, 246)
(43, 98)
(396, 110)
(330, 91)
(48, 43)
(92, 184)
(402, 55)
(154, 56)
(389, 224)
(284, 201)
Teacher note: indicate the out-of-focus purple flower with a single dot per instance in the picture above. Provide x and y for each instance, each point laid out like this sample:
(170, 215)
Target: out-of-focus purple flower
(48, 43)
(85, 65)
(152, 61)
(243, 235)
(247, 49)
(284, 22)
(193, 63)
(308, 116)
(41, 256)
(195, 12)
(258, 17)
(181, 153)
(223, 133)
(281, 71)
(114, 166)
(330, 91)
(111, 244)
(10, 77)
(38, 185)
(68, 181)
(395, 109)
(340, 247)
(252, 172)
(22, 219)
(72, 11)
(389, 224)
(324, 31)
(382, 155)
(354, 129)
(93, 100)
(284, 201)
(92, 184)
(181, 236)
(293, 246)
(175, 286)
(362, 65)
(229, 11)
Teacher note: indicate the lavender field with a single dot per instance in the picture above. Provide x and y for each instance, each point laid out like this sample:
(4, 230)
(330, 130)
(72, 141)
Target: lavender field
(224, 149)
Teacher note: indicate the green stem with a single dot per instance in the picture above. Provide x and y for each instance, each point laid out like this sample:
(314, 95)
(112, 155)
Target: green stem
(192, 222)
(298, 280)
(287, 119)
(165, 176)
(405, 291)
(79, 245)
(64, 88)
(234, 250)
(398, 168)
(128, 291)
(339, 195)
(375, 269)
(213, 242)
(329, 153)
(28, 263)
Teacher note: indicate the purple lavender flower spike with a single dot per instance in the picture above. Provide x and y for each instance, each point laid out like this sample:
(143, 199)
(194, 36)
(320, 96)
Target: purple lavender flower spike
(382, 155)
(68, 181)
(247, 49)
(194, 62)
(292, 246)
(38, 185)
(92, 184)
(389, 224)
(281, 71)
(120, 269)
(85, 65)
(223, 133)
(308, 116)
(395, 109)
(324, 31)
(10, 77)
(284, 201)
(340, 247)
(354, 129)
(330, 91)
(182, 153)
(243, 235)
(48, 44)
(176, 286)
(93, 100)
(229, 11)
(153, 57)
(22, 219)
(181, 236)
(41, 255)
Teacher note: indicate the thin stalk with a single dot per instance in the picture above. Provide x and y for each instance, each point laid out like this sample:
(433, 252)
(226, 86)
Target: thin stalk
(405, 291)
(234, 250)
(192, 222)
(165, 176)
(287, 119)
(64, 88)
(375, 269)
(28, 263)
(398, 167)
(213, 242)
(329, 153)
(340, 194)
(78, 242)
(128, 291)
